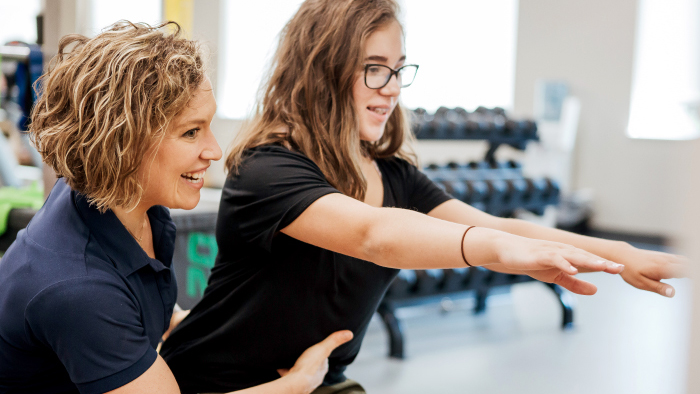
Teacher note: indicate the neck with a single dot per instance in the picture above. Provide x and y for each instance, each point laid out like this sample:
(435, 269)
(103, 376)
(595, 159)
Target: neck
(133, 220)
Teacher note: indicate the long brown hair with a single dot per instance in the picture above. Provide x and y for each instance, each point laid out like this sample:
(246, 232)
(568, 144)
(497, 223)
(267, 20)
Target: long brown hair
(106, 100)
(307, 102)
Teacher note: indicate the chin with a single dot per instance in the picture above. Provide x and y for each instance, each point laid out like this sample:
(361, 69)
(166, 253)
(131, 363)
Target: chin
(373, 135)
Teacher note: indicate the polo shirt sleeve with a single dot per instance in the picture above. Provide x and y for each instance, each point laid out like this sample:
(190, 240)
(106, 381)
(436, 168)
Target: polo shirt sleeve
(95, 329)
(272, 188)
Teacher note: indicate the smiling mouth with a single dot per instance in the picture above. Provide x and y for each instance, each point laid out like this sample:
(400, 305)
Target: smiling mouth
(193, 177)
(378, 110)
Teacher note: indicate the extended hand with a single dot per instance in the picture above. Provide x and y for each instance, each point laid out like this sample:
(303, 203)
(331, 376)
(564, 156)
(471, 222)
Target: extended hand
(646, 269)
(526, 254)
(312, 365)
(551, 262)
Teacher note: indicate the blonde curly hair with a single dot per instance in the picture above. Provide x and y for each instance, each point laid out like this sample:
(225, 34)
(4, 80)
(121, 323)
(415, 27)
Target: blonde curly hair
(105, 102)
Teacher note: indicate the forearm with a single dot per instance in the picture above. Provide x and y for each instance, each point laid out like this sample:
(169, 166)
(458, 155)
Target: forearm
(406, 239)
(288, 384)
(611, 250)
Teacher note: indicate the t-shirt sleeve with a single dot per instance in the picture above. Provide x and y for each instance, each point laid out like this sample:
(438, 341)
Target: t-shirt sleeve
(273, 187)
(95, 329)
(422, 194)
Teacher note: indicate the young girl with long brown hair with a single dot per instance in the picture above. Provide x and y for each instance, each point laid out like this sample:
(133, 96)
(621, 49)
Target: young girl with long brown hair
(324, 204)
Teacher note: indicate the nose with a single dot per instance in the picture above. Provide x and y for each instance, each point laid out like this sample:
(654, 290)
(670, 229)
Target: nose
(212, 150)
(392, 88)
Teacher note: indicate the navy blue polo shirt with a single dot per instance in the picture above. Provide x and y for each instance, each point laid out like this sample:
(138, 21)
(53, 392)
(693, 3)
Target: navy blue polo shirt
(82, 306)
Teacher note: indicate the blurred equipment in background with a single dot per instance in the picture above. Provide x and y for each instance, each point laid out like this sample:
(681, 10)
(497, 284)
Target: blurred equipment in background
(21, 193)
(20, 65)
(498, 188)
(492, 125)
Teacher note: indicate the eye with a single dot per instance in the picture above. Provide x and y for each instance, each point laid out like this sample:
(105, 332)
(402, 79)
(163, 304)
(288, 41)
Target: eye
(191, 133)
(374, 70)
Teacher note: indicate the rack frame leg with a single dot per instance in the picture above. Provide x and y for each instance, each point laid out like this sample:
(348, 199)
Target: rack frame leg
(566, 300)
(388, 314)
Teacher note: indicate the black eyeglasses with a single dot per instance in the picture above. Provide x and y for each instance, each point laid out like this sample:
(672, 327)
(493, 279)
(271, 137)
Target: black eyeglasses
(378, 75)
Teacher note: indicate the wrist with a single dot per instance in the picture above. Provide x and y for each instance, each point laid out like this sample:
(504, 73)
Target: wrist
(482, 246)
(620, 251)
(297, 383)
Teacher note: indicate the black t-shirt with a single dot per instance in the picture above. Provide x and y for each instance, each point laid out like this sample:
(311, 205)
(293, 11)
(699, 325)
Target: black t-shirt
(271, 296)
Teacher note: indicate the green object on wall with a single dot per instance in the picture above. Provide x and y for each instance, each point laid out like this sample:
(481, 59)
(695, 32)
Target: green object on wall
(11, 198)
(196, 282)
(201, 254)
(202, 249)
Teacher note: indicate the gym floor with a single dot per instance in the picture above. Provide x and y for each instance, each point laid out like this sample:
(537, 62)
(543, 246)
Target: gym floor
(624, 341)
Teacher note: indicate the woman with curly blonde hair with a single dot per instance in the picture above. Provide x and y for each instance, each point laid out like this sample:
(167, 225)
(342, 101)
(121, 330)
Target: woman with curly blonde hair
(87, 290)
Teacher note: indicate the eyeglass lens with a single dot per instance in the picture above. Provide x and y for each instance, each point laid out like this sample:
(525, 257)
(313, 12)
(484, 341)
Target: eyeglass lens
(377, 75)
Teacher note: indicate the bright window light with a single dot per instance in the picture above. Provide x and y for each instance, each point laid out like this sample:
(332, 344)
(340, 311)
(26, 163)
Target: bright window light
(466, 52)
(666, 84)
(251, 30)
(105, 13)
(18, 20)
(465, 49)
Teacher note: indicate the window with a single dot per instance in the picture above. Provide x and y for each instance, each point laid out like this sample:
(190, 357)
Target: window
(105, 13)
(665, 100)
(466, 52)
(18, 20)
(465, 49)
(249, 40)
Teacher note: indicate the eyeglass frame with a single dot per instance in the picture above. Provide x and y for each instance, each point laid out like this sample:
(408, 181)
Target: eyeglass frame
(392, 74)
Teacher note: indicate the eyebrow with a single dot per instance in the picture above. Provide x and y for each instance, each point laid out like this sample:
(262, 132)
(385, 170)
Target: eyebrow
(383, 59)
(192, 122)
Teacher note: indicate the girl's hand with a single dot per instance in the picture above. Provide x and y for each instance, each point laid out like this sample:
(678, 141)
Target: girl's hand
(646, 269)
(312, 365)
(569, 282)
(550, 262)
(526, 254)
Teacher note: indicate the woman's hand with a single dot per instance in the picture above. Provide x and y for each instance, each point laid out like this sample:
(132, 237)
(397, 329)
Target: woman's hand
(646, 268)
(312, 365)
(548, 261)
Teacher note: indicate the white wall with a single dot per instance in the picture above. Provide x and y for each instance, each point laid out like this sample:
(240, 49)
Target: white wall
(690, 246)
(637, 183)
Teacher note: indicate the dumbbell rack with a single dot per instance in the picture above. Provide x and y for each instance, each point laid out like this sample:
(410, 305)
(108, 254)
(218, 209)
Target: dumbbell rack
(492, 125)
(499, 188)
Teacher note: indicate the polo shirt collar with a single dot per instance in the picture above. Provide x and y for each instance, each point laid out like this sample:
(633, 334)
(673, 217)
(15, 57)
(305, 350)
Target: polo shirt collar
(120, 246)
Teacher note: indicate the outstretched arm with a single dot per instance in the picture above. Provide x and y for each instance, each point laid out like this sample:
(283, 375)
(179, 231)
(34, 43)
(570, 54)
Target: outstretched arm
(303, 378)
(643, 269)
(400, 238)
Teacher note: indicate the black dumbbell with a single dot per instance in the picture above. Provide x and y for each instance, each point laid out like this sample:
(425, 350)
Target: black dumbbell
(551, 196)
(498, 190)
(403, 285)
(454, 279)
(478, 194)
(475, 278)
(536, 190)
(457, 189)
(428, 281)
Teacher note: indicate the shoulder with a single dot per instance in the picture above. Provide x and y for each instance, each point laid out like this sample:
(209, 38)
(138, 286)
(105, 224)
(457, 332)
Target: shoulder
(274, 156)
(58, 227)
(81, 303)
(273, 166)
(396, 167)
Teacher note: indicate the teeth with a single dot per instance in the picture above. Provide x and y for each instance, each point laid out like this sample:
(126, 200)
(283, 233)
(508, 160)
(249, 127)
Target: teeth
(193, 177)
(380, 111)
